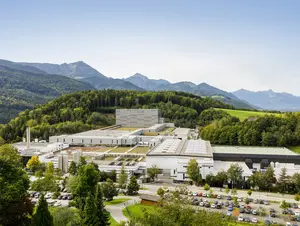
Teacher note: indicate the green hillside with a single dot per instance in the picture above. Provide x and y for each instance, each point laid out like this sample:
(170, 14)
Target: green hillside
(243, 114)
(22, 90)
(81, 111)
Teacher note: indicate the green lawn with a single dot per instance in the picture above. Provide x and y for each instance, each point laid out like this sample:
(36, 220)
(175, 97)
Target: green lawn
(113, 222)
(136, 210)
(295, 149)
(140, 150)
(242, 115)
(116, 201)
(119, 150)
(127, 128)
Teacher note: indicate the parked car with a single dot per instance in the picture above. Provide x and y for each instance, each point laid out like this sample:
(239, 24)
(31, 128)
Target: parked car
(230, 208)
(254, 220)
(201, 204)
(272, 214)
(285, 211)
(268, 222)
(242, 210)
(219, 197)
(239, 199)
(207, 204)
(288, 224)
(213, 206)
(229, 213)
(294, 205)
(240, 218)
(204, 195)
(199, 194)
(37, 195)
(247, 219)
(57, 204)
(248, 211)
(290, 211)
(195, 193)
(226, 204)
(254, 212)
(48, 196)
(228, 197)
(255, 200)
(294, 224)
(266, 202)
(219, 206)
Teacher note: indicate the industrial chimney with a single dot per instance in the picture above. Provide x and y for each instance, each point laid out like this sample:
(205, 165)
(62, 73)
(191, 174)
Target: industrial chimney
(28, 137)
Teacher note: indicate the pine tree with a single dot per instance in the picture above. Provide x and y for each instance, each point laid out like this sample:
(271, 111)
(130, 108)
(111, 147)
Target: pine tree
(101, 213)
(283, 180)
(42, 215)
(72, 168)
(123, 178)
(133, 187)
(90, 217)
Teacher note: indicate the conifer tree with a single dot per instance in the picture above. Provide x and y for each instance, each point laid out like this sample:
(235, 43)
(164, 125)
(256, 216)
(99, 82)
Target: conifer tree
(123, 177)
(72, 168)
(90, 217)
(42, 215)
(133, 187)
(101, 213)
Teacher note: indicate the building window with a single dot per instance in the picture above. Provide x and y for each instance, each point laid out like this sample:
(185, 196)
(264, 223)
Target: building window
(125, 141)
(82, 141)
(91, 141)
(174, 171)
(112, 141)
(100, 141)
(184, 176)
(117, 141)
(57, 140)
(72, 141)
(140, 139)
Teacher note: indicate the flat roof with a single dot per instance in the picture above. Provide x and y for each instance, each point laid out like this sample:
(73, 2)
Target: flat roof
(181, 131)
(252, 150)
(176, 147)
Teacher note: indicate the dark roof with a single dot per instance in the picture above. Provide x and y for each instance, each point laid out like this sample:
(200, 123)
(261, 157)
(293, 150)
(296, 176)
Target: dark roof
(153, 198)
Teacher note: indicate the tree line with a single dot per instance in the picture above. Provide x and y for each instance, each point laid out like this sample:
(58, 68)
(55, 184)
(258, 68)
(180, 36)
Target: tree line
(269, 130)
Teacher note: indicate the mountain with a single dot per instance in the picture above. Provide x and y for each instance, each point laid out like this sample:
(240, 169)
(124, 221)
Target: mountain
(146, 83)
(22, 90)
(270, 100)
(19, 66)
(202, 89)
(84, 72)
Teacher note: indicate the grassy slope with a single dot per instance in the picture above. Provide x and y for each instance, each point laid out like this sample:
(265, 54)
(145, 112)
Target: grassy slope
(116, 201)
(295, 149)
(242, 115)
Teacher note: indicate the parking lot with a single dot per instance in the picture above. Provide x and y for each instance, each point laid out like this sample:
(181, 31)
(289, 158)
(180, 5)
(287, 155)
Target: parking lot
(62, 200)
(245, 212)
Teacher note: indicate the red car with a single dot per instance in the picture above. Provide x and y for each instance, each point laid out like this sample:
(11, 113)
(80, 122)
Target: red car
(199, 194)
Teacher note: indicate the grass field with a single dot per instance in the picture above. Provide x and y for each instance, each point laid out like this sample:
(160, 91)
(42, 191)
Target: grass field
(136, 210)
(91, 149)
(242, 115)
(140, 150)
(295, 149)
(127, 128)
(113, 222)
(119, 150)
(109, 158)
(116, 201)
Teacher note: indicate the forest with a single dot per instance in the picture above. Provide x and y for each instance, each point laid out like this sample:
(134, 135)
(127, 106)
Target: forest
(270, 130)
(81, 111)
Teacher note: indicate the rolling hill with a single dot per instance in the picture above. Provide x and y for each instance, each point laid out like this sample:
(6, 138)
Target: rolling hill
(22, 90)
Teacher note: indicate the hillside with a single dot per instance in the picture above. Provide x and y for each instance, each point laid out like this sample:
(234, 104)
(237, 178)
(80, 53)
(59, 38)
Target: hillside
(202, 89)
(22, 90)
(90, 109)
(270, 100)
(84, 72)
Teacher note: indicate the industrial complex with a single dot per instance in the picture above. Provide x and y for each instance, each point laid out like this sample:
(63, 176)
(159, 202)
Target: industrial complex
(141, 139)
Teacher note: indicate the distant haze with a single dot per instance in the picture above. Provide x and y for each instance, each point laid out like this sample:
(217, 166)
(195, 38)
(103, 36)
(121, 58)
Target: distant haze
(228, 44)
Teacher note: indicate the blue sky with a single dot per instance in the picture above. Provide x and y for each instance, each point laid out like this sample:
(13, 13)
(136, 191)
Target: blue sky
(228, 44)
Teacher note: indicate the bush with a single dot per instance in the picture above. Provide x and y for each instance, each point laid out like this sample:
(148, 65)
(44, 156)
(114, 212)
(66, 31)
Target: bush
(297, 197)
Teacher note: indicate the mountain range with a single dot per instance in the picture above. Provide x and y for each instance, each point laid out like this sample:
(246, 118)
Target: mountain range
(89, 78)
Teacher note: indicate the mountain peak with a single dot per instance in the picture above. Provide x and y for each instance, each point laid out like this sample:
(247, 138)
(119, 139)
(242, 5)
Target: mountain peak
(138, 75)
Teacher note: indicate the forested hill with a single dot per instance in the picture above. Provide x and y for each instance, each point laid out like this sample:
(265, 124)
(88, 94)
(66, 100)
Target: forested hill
(21, 89)
(91, 109)
(269, 130)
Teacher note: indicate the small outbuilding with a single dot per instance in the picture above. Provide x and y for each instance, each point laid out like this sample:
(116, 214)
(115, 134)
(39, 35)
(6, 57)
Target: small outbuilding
(150, 199)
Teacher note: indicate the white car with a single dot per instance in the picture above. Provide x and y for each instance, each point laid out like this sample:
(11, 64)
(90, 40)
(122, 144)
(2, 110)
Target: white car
(297, 213)
(240, 218)
(254, 220)
(288, 224)
(48, 196)
(57, 204)
(213, 206)
(239, 199)
(201, 204)
(195, 193)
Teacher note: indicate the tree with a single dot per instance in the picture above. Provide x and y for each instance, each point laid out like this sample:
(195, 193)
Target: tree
(87, 180)
(72, 183)
(283, 180)
(2, 141)
(64, 216)
(297, 197)
(249, 192)
(160, 192)
(89, 214)
(33, 163)
(72, 168)
(296, 181)
(133, 187)
(101, 213)
(152, 172)
(109, 190)
(227, 190)
(15, 207)
(235, 173)
(234, 192)
(82, 162)
(206, 187)
(193, 171)
(123, 176)
(284, 205)
(42, 215)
